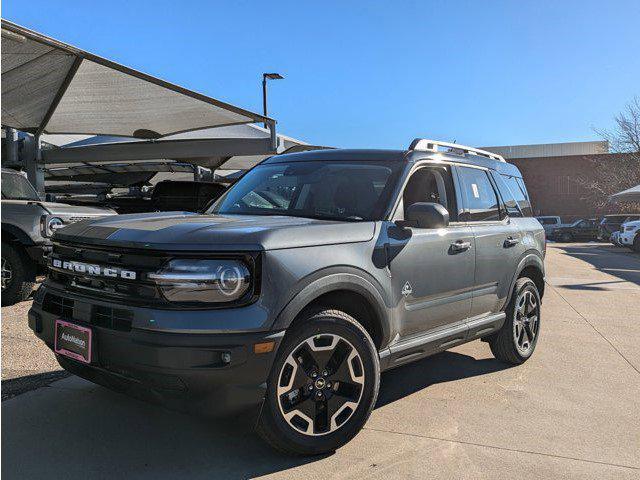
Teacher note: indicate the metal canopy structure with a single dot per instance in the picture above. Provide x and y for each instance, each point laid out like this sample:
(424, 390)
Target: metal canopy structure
(51, 87)
(211, 147)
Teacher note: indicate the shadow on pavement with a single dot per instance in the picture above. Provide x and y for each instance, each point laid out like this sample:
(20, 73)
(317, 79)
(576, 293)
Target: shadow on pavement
(74, 429)
(20, 385)
(444, 367)
(621, 264)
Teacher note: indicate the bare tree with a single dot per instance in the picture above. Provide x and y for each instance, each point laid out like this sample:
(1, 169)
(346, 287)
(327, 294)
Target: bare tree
(609, 176)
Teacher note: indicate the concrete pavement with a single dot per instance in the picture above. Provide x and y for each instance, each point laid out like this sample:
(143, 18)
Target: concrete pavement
(571, 411)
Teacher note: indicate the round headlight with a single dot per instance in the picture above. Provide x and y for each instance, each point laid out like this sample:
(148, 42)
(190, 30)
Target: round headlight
(203, 281)
(51, 225)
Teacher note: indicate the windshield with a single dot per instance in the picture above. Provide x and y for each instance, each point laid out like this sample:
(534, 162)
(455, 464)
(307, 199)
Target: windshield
(330, 190)
(16, 187)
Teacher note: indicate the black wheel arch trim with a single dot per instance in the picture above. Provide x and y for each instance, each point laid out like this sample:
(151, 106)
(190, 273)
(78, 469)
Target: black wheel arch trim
(529, 258)
(17, 233)
(335, 279)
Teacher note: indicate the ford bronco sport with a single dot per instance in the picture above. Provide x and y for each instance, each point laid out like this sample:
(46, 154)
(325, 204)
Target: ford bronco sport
(27, 224)
(300, 284)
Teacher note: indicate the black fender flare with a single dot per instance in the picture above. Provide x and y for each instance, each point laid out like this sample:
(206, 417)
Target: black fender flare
(333, 279)
(529, 258)
(18, 234)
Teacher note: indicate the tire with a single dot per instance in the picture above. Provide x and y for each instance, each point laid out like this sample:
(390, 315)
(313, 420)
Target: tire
(16, 266)
(566, 237)
(337, 417)
(636, 244)
(503, 343)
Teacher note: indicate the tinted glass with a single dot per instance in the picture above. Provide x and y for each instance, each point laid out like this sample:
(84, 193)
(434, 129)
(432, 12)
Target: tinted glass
(16, 187)
(331, 190)
(508, 196)
(433, 185)
(481, 202)
(516, 186)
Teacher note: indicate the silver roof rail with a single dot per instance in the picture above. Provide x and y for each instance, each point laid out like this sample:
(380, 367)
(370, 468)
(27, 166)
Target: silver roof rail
(426, 145)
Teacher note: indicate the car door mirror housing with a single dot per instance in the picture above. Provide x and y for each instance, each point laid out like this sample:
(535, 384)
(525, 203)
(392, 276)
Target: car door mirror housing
(427, 215)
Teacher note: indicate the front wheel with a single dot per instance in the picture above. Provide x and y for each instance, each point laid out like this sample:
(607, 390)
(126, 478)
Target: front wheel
(566, 237)
(17, 279)
(515, 342)
(323, 385)
(636, 243)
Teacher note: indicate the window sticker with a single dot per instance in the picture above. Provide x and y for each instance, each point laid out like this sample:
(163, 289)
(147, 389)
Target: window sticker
(474, 187)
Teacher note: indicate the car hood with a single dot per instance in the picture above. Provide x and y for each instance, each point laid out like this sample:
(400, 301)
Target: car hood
(175, 231)
(55, 208)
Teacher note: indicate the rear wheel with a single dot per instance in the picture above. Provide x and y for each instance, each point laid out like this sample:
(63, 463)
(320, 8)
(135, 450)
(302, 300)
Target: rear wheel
(323, 385)
(17, 281)
(515, 342)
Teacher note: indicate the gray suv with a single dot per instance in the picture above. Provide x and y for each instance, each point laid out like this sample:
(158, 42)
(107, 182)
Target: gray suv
(27, 224)
(299, 285)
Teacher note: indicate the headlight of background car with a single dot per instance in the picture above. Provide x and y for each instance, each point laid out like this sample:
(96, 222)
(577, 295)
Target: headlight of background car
(50, 224)
(203, 281)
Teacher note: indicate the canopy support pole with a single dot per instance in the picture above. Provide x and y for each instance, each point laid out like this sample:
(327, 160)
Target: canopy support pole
(33, 163)
(274, 137)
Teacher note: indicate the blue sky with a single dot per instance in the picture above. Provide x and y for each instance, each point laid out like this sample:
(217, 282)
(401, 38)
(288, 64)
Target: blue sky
(378, 73)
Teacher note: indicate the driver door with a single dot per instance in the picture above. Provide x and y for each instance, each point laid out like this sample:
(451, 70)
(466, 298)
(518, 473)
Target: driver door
(432, 270)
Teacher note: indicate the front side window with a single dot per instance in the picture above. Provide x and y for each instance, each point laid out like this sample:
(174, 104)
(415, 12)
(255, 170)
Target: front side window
(481, 202)
(329, 190)
(432, 185)
(17, 187)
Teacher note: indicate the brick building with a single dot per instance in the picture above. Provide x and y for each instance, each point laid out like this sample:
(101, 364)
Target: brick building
(550, 172)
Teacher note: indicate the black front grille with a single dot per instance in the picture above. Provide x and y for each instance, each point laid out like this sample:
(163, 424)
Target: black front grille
(137, 292)
(98, 315)
(61, 306)
(112, 318)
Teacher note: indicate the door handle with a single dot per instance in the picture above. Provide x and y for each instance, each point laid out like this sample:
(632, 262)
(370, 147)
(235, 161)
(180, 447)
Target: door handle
(510, 242)
(459, 246)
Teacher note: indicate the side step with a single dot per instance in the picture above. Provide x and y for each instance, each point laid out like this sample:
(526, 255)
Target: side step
(414, 348)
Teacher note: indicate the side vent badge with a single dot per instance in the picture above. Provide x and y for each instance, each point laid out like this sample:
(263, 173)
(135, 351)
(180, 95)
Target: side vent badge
(406, 290)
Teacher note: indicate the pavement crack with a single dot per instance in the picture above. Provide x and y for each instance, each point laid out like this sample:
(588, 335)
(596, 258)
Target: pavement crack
(594, 328)
(496, 447)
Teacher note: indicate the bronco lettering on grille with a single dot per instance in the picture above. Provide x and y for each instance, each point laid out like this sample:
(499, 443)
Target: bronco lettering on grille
(91, 269)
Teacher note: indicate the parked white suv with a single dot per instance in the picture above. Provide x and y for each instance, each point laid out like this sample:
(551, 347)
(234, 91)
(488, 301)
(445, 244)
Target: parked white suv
(630, 235)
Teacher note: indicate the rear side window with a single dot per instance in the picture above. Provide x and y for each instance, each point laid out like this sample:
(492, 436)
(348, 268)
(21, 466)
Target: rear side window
(507, 195)
(517, 188)
(481, 201)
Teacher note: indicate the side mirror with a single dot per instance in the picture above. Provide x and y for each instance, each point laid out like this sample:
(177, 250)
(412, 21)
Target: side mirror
(427, 215)
(49, 197)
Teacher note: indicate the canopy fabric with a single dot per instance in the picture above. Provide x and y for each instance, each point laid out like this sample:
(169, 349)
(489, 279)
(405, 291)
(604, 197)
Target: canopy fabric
(630, 195)
(52, 87)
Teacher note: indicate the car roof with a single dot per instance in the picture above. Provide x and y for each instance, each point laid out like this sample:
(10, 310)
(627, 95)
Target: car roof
(409, 156)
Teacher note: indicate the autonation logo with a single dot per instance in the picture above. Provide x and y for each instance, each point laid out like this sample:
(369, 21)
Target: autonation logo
(75, 340)
(94, 270)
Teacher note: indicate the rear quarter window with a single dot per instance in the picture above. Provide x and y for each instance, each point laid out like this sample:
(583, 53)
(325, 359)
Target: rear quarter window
(519, 191)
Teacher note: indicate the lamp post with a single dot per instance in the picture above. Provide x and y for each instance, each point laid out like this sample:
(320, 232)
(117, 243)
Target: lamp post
(265, 77)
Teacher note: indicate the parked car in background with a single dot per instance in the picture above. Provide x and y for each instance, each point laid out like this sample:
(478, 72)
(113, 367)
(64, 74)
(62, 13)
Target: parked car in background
(27, 224)
(549, 223)
(630, 235)
(612, 223)
(615, 238)
(583, 230)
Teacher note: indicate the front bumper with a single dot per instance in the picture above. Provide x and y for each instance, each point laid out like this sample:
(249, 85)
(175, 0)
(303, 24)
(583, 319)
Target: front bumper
(212, 373)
